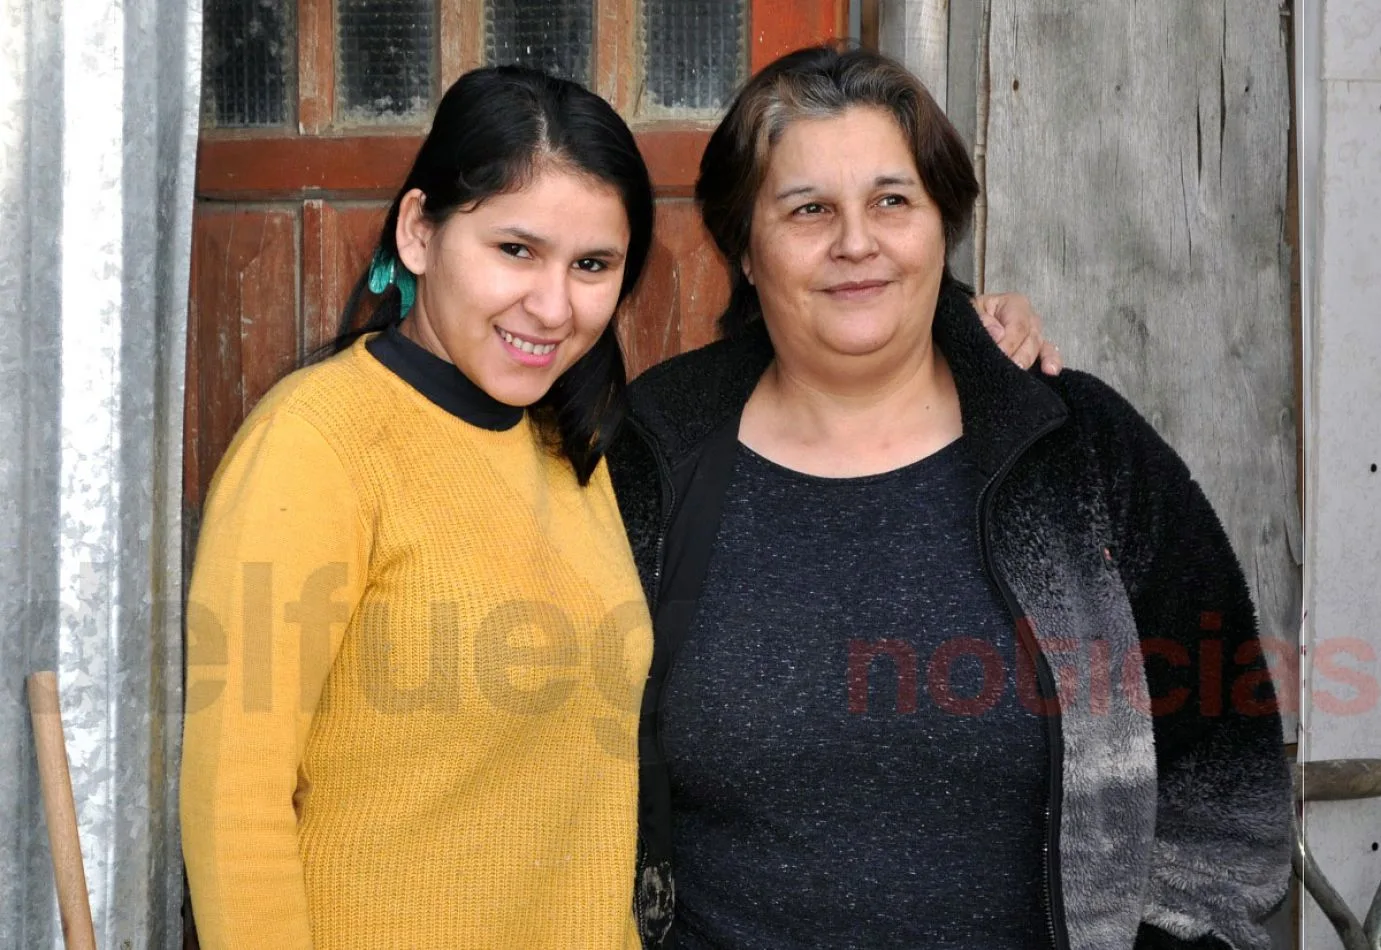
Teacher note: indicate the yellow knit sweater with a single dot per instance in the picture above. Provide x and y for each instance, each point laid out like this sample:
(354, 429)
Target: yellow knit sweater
(416, 650)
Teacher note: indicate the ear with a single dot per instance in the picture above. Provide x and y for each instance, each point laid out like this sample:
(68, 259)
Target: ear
(414, 232)
(746, 265)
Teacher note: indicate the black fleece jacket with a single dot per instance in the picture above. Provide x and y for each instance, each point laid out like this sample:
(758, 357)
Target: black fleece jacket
(1170, 810)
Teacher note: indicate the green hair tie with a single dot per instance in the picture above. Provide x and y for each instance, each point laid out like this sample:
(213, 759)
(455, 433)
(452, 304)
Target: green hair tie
(385, 270)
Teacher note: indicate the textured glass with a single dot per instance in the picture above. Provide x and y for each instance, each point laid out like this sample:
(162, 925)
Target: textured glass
(386, 58)
(696, 52)
(554, 35)
(248, 61)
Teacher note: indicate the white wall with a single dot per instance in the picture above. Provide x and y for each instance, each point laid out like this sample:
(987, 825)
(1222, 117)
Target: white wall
(1339, 98)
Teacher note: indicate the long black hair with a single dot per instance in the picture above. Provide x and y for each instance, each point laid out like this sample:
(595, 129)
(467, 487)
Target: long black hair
(491, 129)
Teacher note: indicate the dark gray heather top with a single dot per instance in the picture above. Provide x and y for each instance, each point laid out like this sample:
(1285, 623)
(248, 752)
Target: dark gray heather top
(850, 764)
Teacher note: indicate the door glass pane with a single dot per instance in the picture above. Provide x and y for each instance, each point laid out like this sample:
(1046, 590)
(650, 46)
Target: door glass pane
(554, 35)
(696, 52)
(248, 63)
(386, 60)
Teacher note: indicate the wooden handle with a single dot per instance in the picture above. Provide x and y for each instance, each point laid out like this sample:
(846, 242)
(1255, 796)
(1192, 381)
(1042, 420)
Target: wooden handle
(1337, 780)
(61, 812)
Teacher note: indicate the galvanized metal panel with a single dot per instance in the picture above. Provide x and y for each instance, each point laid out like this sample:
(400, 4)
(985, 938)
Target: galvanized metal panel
(917, 33)
(98, 109)
(30, 196)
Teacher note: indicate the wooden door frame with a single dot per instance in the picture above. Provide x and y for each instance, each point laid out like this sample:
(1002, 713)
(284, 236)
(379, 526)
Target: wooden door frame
(319, 160)
(283, 215)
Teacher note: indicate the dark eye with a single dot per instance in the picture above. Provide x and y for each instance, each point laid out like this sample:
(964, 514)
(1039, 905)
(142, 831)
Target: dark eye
(813, 208)
(516, 250)
(892, 201)
(591, 265)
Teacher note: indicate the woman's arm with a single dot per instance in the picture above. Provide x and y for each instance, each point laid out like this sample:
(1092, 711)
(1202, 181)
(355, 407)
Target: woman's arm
(1221, 858)
(282, 534)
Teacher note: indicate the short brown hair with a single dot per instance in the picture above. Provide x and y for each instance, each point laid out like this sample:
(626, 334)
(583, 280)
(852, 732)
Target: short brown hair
(820, 82)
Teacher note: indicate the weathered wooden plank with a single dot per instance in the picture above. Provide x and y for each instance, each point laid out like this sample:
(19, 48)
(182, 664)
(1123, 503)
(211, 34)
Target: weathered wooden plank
(1136, 184)
(461, 24)
(617, 69)
(316, 61)
(962, 61)
(961, 100)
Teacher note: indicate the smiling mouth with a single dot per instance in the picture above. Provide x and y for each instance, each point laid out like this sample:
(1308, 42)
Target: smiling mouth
(856, 287)
(527, 346)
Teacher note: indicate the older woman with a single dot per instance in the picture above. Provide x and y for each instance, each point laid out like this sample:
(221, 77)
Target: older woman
(869, 540)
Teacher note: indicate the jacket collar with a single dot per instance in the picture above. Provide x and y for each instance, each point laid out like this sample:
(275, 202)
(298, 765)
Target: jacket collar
(1002, 406)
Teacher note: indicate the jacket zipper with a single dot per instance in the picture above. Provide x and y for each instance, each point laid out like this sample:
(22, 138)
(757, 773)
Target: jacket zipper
(668, 489)
(1054, 919)
(668, 492)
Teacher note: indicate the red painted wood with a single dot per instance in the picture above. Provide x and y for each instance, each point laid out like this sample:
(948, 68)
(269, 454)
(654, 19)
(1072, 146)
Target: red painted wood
(242, 326)
(337, 242)
(316, 66)
(780, 26)
(374, 166)
(682, 293)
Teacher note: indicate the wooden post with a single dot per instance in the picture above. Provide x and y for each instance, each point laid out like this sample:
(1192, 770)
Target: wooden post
(980, 152)
(60, 810)
(916, 32)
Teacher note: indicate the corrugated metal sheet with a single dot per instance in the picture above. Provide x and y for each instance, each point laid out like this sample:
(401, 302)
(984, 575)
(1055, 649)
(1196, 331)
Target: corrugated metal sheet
(98, 122)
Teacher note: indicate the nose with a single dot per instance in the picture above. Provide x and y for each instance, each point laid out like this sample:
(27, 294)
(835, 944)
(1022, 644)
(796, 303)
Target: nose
(854, 240)
(549, 299)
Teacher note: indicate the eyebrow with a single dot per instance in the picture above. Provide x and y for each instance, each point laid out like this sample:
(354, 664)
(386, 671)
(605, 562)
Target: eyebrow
(882, 181)
(536, 240)
(527, 237)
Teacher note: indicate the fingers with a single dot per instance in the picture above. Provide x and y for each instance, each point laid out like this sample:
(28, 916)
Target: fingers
(995, 329)
(986, 305)
(1026, 354)
(1014, 324)
(1017, 320)
(1051, 361)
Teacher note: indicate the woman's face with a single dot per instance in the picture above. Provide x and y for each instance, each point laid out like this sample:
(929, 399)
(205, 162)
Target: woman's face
(517, 289)
(847, 248)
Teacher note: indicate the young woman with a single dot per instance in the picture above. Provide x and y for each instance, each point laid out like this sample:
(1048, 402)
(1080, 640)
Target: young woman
(416, 633)
(417, 640)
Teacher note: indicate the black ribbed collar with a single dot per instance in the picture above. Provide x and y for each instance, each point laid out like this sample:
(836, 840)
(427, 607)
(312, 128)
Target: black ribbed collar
(441, 382)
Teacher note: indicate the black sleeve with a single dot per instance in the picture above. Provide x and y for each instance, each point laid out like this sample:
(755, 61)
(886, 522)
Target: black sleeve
(1221, 856)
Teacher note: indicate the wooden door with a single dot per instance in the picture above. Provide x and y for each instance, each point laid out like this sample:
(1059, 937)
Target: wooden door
(313, 111)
